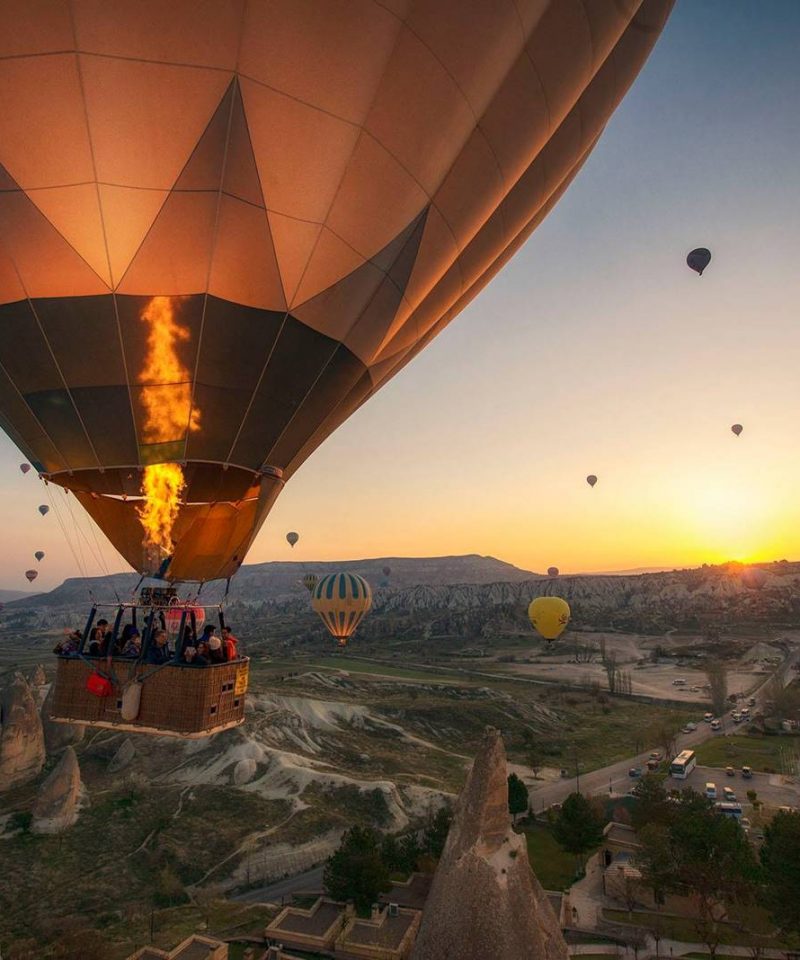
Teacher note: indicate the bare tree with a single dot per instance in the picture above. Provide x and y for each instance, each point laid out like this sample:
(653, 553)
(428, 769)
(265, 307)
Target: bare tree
(717, 676)
(610, 664)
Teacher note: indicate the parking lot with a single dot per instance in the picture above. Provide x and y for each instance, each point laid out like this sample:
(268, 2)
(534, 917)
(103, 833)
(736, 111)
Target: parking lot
(768, 786)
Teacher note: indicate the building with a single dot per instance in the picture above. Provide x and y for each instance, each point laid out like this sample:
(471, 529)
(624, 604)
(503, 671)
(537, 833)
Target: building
(333, 928)
(389, 934)
(411, 893)
(196, 947)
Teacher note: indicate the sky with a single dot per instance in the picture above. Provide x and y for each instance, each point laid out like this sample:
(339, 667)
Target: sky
(596, 350)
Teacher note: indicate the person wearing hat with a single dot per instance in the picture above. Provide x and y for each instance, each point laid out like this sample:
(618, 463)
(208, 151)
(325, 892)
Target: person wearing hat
(216, 652)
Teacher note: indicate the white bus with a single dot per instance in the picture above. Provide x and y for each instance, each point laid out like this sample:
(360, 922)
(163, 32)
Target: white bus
(683, 764)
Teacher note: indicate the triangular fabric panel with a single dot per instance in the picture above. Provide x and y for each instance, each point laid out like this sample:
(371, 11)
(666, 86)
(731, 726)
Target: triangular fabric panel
(48, 265)
(294, 241)
(74, 211)
(128, 213)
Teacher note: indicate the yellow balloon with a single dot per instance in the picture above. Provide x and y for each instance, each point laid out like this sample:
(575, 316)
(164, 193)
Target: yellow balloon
(549, 616)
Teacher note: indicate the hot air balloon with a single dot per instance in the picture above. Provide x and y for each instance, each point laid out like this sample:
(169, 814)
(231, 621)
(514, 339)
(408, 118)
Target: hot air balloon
(310, 580)
(552, 571)
(207, 267)
(43, 509)
(31, 575)
(292, 538)
(25, 467)
(549, 616)
(173, 617)
(39, 555)
(341, 600)
(591, 479)
(698, 260)
(737, 428)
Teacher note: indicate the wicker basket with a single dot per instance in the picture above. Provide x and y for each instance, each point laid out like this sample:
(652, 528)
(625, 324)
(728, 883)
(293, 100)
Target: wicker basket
(176, 701)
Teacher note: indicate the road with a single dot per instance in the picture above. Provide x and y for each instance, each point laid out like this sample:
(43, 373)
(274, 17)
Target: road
(310, 881)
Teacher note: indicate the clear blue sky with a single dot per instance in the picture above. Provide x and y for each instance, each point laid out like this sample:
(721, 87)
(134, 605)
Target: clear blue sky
(606, 355)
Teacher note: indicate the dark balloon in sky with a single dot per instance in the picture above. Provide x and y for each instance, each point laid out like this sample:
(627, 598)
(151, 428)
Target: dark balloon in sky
(591, 479)
(698, 260)
(737, 428)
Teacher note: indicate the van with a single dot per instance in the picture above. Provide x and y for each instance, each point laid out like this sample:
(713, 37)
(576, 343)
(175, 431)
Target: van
(708, 717)
(680, 682)
(711, 791)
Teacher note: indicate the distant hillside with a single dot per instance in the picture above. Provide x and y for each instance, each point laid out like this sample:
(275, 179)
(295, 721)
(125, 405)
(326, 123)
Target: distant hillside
(6, 596)
(279, 580)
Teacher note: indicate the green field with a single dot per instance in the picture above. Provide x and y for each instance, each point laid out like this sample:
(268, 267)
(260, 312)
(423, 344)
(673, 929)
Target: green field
(767, 754)
(379, 669)
(554, 868)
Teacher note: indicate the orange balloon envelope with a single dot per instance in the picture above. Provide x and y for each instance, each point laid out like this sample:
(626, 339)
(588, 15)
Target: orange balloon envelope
(222, 233)
(342, 600)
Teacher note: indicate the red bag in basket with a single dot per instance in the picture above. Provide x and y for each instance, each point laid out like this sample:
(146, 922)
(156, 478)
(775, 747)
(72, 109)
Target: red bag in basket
(99, 685)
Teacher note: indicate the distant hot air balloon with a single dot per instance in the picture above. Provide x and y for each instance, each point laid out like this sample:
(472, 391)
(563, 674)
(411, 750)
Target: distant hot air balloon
(310, 580)
(549, 616)
(386, 571)
(292, 538)
(234, 340)
(44, 509)
(341, 600)
(25, 467)
(737, 428)
(31, 575)
(173, 616)
(591, 479)
(39, 555)
(552, 571)
(698, 260)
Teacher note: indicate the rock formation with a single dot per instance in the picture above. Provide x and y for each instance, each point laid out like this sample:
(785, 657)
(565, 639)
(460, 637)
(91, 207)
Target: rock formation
(244, 771)
(123, 756)
(38, 677)
(58, 735)
(485, 900)
(56, 806)
(21, 736)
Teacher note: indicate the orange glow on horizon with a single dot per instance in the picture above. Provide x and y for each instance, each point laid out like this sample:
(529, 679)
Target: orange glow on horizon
(169, 416)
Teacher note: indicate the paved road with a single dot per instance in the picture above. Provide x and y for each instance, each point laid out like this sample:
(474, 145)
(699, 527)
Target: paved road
(311, 880)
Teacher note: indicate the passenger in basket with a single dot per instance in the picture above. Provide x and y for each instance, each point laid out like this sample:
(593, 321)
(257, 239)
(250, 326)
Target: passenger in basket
(122, 640)
(191, 658)
(215, 652)
(189, 639)
(98, 639)
(69, 645)
(231, 644)
(133, 646)
(158, 651)
(202, 656)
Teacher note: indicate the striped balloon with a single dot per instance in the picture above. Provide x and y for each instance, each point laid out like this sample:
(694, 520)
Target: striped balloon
(341, 600)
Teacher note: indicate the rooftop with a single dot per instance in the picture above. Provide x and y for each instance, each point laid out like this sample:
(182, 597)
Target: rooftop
(410, 893)
(314, 922)
(384, 931)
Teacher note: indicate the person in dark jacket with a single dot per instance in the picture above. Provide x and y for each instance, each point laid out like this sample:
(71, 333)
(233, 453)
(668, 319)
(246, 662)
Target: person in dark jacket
(191, 658)
(98, 639)
(158, 651)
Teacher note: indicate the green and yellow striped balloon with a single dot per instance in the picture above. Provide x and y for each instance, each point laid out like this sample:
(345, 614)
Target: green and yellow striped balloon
(341, 600)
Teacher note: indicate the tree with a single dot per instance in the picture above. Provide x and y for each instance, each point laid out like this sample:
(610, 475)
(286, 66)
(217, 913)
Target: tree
(579, 827)
(610, 665)
(714, 860)
(652, 804)
(355, 871)
(655, 860)
(517, 796)
(435, 835)
(780, 858)
(717, 676)
(409, 852)
(534, 755)
(664, 735)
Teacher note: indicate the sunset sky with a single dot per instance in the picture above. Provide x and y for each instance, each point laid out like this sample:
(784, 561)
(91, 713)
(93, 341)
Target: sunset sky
(596, 350)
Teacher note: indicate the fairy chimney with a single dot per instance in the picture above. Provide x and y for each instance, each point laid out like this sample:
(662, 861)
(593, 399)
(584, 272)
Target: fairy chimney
(56, 806)
(21, 736)
(485, 900)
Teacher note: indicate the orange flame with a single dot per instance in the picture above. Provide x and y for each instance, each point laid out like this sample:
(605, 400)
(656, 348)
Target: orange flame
(168, 417)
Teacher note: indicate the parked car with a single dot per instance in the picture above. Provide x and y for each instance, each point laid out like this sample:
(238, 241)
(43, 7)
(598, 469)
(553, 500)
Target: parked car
(729, 795)
(730, 771)
(711, 791)
(635, 772)
(680, 682)
(736, 717)
(715, 724)
(653, 765)
(708, 717)
(747, 773)
(657, 755)
(690, 726)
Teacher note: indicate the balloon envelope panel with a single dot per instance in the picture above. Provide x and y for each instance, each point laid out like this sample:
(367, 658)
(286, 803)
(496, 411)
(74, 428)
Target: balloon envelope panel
(308, 201)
